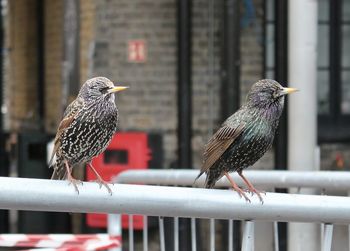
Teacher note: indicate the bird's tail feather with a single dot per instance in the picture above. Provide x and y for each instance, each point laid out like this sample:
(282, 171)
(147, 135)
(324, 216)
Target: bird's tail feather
(198, 176)
(212, 177)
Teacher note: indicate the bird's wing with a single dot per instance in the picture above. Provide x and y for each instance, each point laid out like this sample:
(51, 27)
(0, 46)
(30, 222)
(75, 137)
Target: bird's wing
(219, 143)
(68, 117)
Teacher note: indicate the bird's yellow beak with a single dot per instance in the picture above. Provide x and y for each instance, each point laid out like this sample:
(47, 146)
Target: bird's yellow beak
(117, 89)
(287, 90)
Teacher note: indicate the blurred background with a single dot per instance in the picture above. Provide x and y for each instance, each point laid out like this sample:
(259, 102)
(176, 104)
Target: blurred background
(189, 65)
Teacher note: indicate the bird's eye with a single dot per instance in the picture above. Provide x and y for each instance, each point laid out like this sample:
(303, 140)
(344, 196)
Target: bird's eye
(275, 94)
(104, 89)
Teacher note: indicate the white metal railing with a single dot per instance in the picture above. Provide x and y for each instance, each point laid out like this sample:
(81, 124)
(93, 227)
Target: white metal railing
(322, 180)
(147, 200)
(332, 180)
(58, 196)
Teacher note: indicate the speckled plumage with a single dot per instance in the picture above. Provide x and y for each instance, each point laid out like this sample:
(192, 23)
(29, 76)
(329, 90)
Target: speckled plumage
(87, 127)
(246, 135)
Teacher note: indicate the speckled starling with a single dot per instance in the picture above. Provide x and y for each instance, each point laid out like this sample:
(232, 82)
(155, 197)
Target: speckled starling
(86, 129)
(245, 136)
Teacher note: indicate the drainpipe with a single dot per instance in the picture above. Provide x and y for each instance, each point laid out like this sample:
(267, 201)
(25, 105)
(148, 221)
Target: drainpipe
(281, 75)
(184, 102)
(302, 114)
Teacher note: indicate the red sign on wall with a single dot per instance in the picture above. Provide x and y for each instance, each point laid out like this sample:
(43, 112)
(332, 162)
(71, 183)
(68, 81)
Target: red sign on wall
(136, 51)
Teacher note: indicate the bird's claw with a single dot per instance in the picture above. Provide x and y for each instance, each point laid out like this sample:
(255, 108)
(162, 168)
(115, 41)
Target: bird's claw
(241, 194)
(75, 183)
(101, 183)
(258, 193)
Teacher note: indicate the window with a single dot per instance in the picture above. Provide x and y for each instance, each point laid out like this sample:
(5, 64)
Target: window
(333, 66)
(334, 70)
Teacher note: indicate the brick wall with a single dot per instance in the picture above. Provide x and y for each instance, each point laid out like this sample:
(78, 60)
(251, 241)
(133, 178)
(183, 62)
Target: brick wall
(53, 63)
(206, 88)
(22, 64)
(105, 29)
(150, 103)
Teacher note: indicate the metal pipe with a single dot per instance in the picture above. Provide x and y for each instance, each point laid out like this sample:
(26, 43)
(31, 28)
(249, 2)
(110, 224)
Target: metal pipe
(231, 59)
(330, 180)
(131, 232)
(281, 75)
(302, 113)
(145, 233)
(193, 235)
(176, 233)
(276, 237)
(327, 238)
(115, 228)
(184, 100)
(184, 83)
(230, 235)
(161, 234)
(212, 234)
(58, 196)
(248, 236)
(349, 229)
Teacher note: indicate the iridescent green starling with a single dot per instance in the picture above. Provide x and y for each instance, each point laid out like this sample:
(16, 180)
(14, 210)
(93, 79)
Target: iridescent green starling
(245, 136)
(86, 129)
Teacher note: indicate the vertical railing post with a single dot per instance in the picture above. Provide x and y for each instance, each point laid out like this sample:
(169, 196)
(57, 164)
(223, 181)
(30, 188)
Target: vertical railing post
(327, 237)
(131, 232)
(161, 234)
(276, 236)
(145, 233)
(212, 234)
(114, 228)
(248, 236)
(193, 235)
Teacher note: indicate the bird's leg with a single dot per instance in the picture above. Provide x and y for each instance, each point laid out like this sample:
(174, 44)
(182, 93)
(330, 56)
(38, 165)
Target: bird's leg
(236, 188)
(99, 180)
(251, 188)
(70, 178)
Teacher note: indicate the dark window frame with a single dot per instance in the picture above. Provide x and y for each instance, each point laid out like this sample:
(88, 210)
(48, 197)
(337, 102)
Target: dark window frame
(334, 126)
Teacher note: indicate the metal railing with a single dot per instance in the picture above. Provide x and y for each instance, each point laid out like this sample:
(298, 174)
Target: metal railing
(329, 180)
(58, 196)
(321, 180)
(147, 200)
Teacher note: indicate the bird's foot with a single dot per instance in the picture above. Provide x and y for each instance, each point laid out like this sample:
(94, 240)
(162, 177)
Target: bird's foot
(241, 193)
(251, 188)
(236, 187)
(74, 182)
(101, 183)
(70, 178)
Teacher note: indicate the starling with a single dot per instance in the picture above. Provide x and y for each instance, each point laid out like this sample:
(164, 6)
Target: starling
(86, 129)
(245, 136)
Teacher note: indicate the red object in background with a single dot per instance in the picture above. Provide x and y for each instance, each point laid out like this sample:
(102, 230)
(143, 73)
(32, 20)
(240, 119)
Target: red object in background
(339, 161)
(137, 51)
(127, 150)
